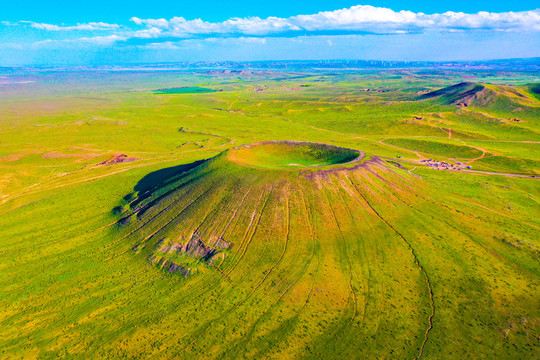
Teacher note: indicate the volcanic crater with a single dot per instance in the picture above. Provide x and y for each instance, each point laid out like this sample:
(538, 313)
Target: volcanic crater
(204, 218)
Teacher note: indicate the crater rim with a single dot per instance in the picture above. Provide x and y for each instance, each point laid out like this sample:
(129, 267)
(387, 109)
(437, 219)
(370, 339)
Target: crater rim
(293, 155)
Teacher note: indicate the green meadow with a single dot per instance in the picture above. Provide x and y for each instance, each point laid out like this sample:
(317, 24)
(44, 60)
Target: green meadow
(270, 214)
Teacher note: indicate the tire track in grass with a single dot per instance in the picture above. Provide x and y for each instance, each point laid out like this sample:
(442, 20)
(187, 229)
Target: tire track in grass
(484, 247)
(210, 284)
(493, 253)
(217, 268)
(161, 228)
(354, 196)
(187, 296)
(500, 213)
(477, 204)
(422, 269)
(174, 202)
(247, 237)
(215, 208)
(59, 240)
(29, 190)
(144, 203)
(48, 186)
(311, 221)
(234, 213)
(241, 302)
(89, 231)
(251, 331)
(214, 226)
(344, 241)
(269, 271)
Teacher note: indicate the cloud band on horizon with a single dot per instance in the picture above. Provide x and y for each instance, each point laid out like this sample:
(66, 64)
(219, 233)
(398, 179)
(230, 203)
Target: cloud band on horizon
(362, 19)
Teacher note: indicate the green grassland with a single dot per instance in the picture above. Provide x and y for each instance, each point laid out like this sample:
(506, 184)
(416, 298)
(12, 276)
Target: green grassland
(296, 249)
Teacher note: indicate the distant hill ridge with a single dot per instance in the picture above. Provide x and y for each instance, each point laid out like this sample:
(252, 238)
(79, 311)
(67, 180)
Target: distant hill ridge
(467, 94)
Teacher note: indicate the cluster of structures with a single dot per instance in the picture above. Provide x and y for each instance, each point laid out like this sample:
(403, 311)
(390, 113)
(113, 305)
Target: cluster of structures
(299, 87)
(516, 120)
(118, 159)
(442, 165)
(375, 90)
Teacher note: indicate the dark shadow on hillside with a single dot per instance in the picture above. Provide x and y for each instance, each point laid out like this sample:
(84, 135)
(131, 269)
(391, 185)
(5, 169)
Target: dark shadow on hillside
(534, 88)
(455, 93)
(147, 186)
(162, 177)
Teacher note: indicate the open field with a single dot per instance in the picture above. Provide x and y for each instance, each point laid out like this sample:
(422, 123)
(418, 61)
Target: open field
(135, 223)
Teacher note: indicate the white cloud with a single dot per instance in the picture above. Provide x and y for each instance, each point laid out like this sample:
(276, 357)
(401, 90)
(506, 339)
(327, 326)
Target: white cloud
(60, 44)
(253, 40)
(357, 19)
(100, 40)
(168, 45)
(92, 26)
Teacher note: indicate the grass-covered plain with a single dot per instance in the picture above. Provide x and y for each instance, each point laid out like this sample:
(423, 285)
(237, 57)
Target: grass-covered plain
(307, 251)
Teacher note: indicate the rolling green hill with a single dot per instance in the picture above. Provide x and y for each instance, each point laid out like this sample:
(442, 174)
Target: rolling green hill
(498, 97)
(462, 93)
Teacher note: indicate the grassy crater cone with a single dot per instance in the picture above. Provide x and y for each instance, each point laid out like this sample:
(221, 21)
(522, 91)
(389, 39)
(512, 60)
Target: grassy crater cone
(247, 224)
(203, 219)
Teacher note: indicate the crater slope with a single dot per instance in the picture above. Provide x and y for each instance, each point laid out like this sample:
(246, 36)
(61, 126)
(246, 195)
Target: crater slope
(310, 250)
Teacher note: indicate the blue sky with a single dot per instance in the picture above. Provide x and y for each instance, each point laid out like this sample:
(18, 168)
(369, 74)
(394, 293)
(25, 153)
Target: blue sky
(118, 32)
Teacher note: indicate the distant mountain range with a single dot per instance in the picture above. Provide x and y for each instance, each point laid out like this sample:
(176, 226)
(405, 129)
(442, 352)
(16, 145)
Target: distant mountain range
(518, 64)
